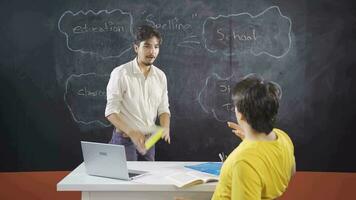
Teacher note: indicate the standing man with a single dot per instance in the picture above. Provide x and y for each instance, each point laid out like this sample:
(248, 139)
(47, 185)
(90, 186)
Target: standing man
(136, 95)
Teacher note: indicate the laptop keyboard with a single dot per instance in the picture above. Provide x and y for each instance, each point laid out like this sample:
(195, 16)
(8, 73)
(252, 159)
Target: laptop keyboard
(133, 174)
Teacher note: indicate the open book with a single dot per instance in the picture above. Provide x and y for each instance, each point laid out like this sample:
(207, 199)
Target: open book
(187, 179)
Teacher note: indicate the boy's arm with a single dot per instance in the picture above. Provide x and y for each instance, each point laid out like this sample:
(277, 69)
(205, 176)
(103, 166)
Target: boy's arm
(246, 183)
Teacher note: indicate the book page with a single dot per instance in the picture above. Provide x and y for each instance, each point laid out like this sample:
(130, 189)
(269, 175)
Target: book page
(203, 176)
(184, 179)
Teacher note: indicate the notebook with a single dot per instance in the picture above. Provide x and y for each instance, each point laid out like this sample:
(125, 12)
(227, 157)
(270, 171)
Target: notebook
(209, 167)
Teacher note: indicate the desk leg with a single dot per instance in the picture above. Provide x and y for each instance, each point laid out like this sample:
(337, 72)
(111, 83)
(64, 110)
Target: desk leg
(85, 195)
(145, 195)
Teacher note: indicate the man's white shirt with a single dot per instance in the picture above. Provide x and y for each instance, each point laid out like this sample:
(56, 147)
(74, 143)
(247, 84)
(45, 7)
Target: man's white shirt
(139, 100)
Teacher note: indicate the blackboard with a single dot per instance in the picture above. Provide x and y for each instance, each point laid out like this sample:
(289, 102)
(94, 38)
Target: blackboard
(56, 59)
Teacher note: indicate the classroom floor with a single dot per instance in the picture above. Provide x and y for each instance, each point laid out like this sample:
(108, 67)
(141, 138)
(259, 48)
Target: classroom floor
(305, 185)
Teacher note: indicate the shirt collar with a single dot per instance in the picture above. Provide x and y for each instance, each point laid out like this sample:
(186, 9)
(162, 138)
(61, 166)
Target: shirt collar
(136, 68)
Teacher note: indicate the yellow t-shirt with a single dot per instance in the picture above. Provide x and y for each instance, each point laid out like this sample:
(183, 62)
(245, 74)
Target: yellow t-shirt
(257, 169)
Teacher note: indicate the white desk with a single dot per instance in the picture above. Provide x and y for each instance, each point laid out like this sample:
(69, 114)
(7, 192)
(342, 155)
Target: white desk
(151, 186)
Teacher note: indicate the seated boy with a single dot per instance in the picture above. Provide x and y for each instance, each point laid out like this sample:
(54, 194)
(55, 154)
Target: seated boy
(263, 164)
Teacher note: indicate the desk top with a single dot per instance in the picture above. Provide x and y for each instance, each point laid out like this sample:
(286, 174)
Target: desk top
(79, 180)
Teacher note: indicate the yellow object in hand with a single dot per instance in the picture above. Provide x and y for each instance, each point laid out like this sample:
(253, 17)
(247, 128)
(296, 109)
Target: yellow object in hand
(154, 138)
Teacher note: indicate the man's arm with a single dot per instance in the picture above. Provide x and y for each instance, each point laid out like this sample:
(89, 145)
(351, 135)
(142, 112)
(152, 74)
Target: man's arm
(114, 95)
(136, 136)
(164, 120)
(164, 113)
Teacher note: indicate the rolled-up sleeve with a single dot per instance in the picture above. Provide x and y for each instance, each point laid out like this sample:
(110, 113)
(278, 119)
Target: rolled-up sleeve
(114, 93)
(164, 104)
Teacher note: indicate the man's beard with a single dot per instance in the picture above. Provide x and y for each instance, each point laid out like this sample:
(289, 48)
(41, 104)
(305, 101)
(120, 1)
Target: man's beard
(147, 63)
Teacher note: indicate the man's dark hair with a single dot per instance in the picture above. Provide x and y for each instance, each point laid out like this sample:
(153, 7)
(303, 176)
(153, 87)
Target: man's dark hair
(258, 101)
(145, 32)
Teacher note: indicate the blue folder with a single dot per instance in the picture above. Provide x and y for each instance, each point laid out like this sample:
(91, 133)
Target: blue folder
(209, 167)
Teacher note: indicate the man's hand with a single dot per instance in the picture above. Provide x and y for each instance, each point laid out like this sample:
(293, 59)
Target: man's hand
(139, 140)
(164, 120)
(166, 135)
(237, 130)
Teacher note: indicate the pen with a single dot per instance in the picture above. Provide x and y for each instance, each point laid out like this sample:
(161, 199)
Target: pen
(224, 156)
(221, 157)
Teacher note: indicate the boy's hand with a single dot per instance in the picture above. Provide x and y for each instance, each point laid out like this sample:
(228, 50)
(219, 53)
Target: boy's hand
(236, 129)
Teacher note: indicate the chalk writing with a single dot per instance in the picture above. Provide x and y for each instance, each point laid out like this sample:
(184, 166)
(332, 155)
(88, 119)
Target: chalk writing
(236, 36)
(94, 93)
(104, 27)
(171, 24)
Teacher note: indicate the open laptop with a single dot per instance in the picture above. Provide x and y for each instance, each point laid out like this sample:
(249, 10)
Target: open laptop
(107, 160)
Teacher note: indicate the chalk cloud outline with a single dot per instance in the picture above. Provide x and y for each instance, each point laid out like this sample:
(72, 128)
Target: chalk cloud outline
(69, 107)
(253, 17)
(94, 13)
